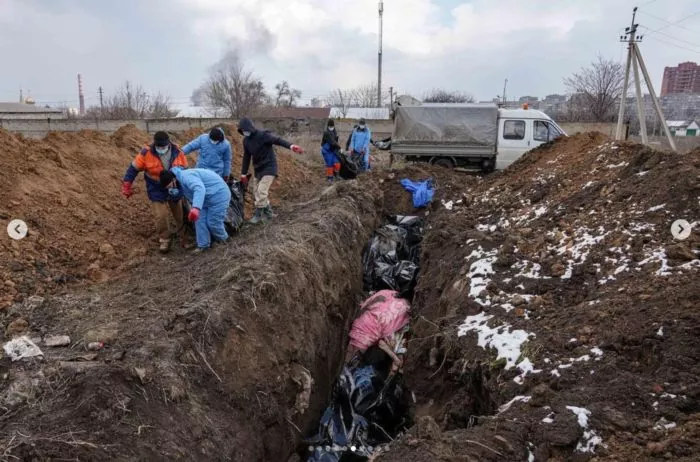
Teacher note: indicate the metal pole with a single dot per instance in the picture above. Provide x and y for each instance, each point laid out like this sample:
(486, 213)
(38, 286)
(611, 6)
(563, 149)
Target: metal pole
(657, 106)
(379, 67)
(619, 136)
(640, 103)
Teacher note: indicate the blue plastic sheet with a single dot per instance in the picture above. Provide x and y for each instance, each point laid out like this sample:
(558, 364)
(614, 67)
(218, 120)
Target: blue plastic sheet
(422, 191)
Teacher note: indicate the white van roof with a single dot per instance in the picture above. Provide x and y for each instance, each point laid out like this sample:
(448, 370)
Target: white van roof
(522, 114)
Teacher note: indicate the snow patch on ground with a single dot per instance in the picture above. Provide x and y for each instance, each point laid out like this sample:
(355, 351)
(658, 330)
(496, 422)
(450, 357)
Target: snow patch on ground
(659, 256)
(507, 342)
(620, 165)
(526, 367)
(529, 270)
(517, 399)
(479, 273)
(449, 205)
(656, 208)
(590, 439)
(579, 247)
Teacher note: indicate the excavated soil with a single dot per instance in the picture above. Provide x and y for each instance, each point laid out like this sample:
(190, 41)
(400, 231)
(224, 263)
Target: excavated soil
(225, 356)
(556, 316)
(66, 187)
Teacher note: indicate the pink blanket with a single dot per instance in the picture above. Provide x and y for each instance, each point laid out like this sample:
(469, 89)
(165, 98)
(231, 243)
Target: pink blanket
(381, 315)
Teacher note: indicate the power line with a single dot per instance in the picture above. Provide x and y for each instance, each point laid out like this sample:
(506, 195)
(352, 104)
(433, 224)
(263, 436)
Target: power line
(674, 45)
(675, 23)
(673, 38)
(669, 22)
(648, 3)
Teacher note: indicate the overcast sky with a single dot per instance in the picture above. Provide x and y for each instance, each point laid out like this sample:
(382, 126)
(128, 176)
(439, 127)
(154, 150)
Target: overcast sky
(318, 45)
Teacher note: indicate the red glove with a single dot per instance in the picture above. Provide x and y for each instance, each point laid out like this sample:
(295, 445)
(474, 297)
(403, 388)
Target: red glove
(127, 190)
(244, 180)
(193, 215)
(297, 149)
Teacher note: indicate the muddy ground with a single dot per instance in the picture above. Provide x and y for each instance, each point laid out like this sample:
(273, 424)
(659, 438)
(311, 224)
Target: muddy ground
(555, 316)
(205, 358)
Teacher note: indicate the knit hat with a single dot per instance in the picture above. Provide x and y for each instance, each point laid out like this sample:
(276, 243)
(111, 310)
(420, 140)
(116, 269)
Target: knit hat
(331, 123)
(161, 139)
(166, 177)
(216, 134)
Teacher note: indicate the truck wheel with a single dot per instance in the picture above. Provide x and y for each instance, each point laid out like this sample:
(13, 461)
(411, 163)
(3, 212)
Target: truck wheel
(444, 163)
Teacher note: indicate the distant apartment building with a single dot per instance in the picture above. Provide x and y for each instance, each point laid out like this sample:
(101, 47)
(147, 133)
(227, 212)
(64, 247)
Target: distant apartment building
(684, 78)
(554, 104)
(681, 106)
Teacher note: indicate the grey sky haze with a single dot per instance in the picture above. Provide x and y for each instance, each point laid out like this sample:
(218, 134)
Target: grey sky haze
(471, 46)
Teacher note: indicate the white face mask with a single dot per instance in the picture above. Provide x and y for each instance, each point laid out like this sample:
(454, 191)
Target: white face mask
(246, 133)
(362, 127)
(331, 128)
(162, 149)
(215, 142)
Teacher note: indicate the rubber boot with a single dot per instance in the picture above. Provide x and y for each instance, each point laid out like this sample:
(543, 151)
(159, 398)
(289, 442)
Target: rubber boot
(268, 213)
(258, 217)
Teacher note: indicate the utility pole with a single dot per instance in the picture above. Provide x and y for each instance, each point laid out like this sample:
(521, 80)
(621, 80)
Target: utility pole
(81, 96)
(379, 67)
(505, 98)
(634, 58)
(102, 106)
(391, 96)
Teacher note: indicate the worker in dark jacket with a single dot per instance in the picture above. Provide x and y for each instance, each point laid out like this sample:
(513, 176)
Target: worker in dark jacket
(258, 146)
(329, 151)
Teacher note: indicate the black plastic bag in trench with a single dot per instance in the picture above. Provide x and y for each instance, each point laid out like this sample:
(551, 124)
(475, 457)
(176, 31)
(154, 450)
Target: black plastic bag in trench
(234, 214)
(391, 258)
(348, 168)
(367, 407)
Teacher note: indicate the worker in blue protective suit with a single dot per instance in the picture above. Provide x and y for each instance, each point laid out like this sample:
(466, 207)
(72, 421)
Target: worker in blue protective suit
(329, 150)
(209, 196)
(214, 152)
(359, 144)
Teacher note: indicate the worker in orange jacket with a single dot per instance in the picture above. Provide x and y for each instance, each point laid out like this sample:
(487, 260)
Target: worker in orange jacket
(152, 160)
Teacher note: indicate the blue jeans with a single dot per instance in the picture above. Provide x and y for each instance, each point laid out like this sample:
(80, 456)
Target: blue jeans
(211, 221)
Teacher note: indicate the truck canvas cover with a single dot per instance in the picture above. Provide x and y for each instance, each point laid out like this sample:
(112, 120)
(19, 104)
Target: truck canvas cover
(473, 124)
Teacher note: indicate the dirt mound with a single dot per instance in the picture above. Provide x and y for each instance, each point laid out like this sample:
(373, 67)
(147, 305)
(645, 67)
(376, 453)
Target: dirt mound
(557, 315)
(131, 138)
(207, 361)
(66, 187)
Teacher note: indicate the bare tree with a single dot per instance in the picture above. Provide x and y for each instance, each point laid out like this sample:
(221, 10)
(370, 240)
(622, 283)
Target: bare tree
(597, 89)
(232, 88)
(365, 96)
(439, 95)
(315, 102)
(133, 102)
(286, 96)
(342, 100)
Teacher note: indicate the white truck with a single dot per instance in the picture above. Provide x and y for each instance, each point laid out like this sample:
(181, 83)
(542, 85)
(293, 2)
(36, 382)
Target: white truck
(479, 137)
